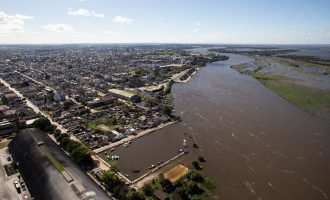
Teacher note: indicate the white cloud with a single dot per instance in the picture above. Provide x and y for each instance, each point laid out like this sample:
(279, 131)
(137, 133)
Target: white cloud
(12, 23)
(196, 30)
(85, 13)
(197, 26)
(122, 20)
(63, 28)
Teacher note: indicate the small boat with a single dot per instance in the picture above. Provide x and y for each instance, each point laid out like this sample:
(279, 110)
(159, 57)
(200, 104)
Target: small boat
(126, 144)
(185, 144)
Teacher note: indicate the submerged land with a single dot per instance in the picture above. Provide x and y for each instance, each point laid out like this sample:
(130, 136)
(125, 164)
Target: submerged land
(173, 121)
(301, 79)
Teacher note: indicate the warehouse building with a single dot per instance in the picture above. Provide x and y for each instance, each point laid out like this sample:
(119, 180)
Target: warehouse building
(124, 95)
(36, 154)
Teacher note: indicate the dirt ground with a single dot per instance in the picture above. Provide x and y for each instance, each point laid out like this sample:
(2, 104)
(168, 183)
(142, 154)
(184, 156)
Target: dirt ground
(176, 173)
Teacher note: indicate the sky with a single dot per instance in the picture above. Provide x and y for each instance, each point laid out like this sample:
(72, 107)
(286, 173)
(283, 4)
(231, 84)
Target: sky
(165, 21)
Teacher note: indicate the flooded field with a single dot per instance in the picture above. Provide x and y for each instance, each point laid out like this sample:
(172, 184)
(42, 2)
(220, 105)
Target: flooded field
(257, 145)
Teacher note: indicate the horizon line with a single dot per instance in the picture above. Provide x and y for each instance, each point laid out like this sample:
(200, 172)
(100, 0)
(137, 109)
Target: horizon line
(162, 43)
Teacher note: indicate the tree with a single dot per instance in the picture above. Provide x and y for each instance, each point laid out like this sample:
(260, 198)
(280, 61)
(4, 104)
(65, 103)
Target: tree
(132, 194)
(147, 190)
(192, 188)
(196, 198)
(67, 105)
(72, 145)
(195, 176)
(61, 137)
(201, 159)
(57, 133)
(64, 142)
(43, 124)
(4, 100)
(167, 109)
(196, 165)
(81, 155)
(151, 102)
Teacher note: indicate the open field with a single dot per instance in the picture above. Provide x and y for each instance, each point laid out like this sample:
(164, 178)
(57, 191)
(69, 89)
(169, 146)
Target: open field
(103, 128)
(101, 124)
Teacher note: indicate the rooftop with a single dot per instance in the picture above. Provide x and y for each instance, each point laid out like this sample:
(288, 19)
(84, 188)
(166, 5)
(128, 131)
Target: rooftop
(40, 161)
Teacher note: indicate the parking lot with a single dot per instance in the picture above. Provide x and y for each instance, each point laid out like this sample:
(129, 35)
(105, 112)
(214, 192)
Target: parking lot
(12, 186)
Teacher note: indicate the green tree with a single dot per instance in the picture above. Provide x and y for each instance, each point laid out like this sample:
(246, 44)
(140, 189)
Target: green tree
(64, 142)
(72, 145)
(132, 194)
(81, 155)
(167, 109)
(147, 190)
(196, 165)
(43, 124)
(67, 105)
(195, 176)
(4, 100)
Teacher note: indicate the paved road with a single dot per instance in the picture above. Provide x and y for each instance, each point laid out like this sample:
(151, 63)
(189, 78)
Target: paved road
(33, 107)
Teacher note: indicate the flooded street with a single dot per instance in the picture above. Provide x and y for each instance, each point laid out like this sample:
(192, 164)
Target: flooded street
(257, 145)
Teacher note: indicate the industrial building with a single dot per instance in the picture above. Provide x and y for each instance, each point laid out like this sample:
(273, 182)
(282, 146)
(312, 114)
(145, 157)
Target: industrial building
(35, 154)
(124, 95)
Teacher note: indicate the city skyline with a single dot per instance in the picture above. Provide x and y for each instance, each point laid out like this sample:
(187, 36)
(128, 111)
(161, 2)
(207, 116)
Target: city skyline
(221, 22)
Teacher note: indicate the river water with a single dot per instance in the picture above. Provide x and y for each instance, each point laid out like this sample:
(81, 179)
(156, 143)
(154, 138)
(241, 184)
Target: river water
(257, 145)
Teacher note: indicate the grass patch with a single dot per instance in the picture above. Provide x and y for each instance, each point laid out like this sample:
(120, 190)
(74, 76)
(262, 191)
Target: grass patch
(55, 162)
(302, 96)
(112, 162)
(101, 121)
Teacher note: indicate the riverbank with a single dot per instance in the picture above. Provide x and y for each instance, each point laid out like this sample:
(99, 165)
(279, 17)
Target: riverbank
(306, 84)
(132, 137)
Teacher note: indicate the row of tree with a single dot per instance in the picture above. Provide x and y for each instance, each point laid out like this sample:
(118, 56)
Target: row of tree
(78, 152)
(118, 188)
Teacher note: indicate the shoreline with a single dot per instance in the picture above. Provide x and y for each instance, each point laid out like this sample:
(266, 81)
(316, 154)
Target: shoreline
(133, 137)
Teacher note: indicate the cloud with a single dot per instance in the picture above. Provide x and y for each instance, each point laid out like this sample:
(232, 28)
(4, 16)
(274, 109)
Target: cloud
(197, 26)
(122, 20)
(85, 13)
(12, 23)
(62, 28)
(196, 30)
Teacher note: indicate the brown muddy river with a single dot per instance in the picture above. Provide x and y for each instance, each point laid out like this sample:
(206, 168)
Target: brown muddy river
(257, 145)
